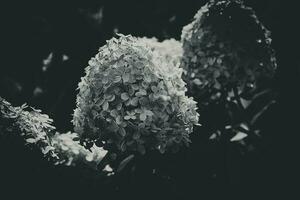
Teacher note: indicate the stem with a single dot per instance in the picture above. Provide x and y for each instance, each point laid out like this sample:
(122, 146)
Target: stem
(237, 98)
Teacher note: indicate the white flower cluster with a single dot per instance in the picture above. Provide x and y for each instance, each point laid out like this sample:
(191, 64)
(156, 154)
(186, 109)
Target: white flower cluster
(33, 126)
(133, 99)
(226, 45)
(170, 49)
(71, 152)
(37, 131)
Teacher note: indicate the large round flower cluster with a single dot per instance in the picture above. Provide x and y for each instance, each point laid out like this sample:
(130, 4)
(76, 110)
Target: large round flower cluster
(226, 45)
(133, 100)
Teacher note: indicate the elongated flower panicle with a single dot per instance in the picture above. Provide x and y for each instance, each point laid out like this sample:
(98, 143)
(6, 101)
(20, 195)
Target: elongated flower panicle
(226, 45)
(29, 123)
(132, 99)
(37, 131)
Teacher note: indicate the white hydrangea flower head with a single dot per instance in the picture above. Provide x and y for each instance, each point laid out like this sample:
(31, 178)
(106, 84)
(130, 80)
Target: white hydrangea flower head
(133, 99)
(226, 45)
(171, 49)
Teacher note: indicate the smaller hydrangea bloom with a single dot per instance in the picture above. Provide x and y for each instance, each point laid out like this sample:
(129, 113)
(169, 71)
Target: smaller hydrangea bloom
(133, 99)
(226, 45)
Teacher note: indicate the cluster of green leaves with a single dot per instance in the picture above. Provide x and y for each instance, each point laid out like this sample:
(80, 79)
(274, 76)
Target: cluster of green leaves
(133, 99)
(38, 133)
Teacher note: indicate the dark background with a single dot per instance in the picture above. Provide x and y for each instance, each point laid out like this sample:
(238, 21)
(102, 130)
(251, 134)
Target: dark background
(33, 29)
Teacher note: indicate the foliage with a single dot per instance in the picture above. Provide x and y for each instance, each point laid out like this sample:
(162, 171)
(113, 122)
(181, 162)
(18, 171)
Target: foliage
(132, 99)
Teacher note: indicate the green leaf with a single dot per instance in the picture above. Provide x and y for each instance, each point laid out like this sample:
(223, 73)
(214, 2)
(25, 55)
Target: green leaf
(239, 136)
(125, 162)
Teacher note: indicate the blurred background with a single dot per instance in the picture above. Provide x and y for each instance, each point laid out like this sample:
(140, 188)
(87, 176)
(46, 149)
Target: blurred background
(47, 45)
